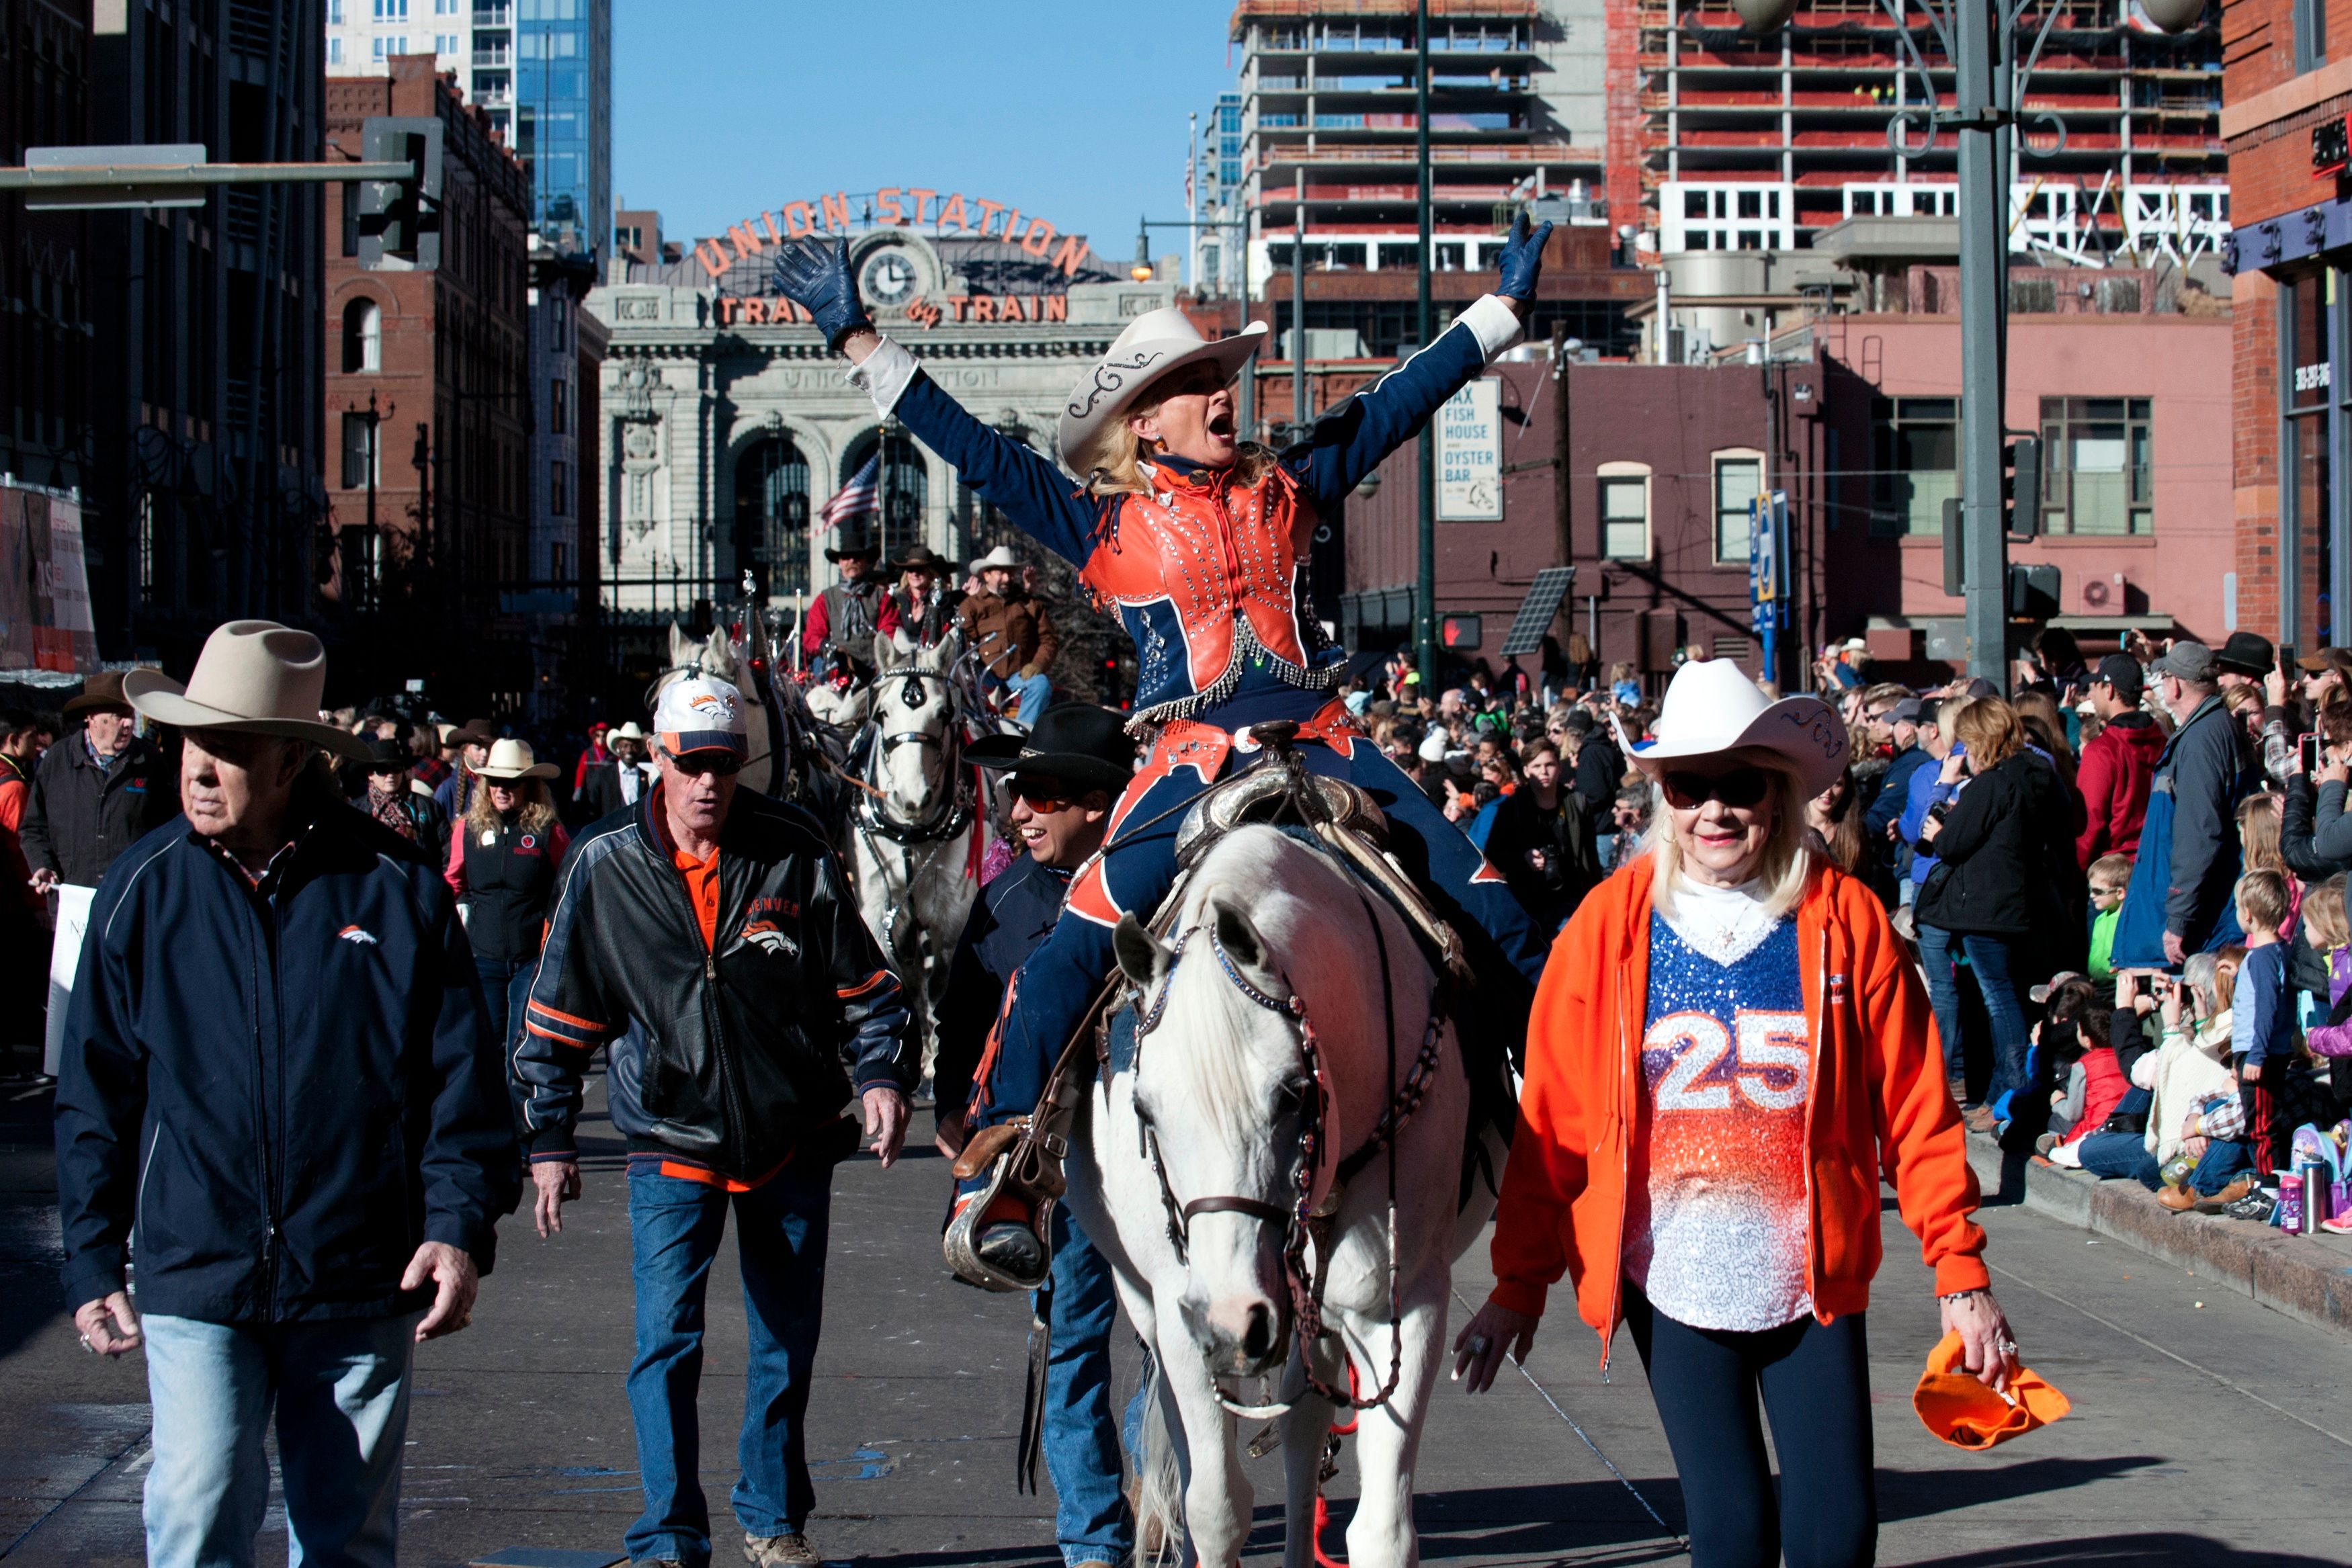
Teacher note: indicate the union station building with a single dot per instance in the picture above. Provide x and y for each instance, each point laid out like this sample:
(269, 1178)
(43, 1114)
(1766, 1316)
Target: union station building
(727, 425)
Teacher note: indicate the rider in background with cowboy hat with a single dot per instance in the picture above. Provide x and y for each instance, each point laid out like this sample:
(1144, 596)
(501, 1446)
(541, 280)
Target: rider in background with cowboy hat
(1011, 639)
(921, 610)
(277, 1070)
(1198, 540)
(1729, 1050)
(842, 618)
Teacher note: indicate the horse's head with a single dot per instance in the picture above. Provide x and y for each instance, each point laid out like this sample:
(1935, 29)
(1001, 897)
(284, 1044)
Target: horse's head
(1223, 1085)
(914, 715)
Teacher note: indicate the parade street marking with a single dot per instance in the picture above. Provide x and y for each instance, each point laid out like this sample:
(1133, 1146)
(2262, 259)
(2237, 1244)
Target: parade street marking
(1588, 1442)
(2206, 1371)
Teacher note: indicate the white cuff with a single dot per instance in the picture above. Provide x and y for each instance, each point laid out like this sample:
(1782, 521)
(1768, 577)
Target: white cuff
(1493, 322)
(884, 375)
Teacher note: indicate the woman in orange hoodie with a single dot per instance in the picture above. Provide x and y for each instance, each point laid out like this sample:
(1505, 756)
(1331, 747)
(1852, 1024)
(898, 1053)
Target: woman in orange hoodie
(1728, 1047)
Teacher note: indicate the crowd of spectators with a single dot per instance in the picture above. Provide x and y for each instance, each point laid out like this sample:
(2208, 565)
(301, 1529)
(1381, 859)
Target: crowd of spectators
(2123, 879)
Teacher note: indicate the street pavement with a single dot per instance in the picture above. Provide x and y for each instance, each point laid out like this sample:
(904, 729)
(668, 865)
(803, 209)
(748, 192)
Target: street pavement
(2207, 1431)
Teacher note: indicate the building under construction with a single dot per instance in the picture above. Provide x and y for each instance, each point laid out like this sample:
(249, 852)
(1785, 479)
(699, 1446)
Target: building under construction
(1734, 142)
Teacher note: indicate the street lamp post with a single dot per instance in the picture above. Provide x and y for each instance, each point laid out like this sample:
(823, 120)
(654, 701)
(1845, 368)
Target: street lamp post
(1425, 584)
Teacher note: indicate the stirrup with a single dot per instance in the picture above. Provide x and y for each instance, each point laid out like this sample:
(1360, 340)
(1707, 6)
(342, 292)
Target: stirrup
(960, 1245)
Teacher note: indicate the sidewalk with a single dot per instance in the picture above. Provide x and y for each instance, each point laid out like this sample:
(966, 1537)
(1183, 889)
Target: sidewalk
(2305, 1277)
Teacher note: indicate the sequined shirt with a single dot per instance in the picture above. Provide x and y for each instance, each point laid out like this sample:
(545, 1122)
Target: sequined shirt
(1716, 1214)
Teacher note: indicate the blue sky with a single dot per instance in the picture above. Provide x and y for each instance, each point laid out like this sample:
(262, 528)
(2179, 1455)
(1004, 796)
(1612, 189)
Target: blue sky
(1066, 108)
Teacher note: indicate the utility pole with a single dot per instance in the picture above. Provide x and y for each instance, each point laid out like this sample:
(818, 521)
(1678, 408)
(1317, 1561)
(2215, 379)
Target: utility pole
(1983, 52)
(1299, 310)
(1564, 551)
(1425, 594)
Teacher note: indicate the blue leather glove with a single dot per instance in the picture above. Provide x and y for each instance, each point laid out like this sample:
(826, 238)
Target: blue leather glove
(1522, 261)
(815, 277)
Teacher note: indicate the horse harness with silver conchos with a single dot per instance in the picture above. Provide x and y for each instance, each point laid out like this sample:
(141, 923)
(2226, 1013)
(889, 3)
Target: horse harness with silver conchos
(954, 812)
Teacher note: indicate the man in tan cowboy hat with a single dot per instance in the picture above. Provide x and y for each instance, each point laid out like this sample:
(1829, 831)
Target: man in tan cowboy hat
(1008, 629)
(282, 983)
(91, 798)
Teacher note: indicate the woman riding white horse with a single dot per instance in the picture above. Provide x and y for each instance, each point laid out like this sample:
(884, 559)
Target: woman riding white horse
(1200, 541)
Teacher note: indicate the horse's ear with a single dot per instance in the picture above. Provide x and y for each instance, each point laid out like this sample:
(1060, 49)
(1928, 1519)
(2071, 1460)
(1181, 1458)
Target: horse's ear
(1140, 956)
(678, 644)
(886, 651)
(950, 649)
(1238, 938)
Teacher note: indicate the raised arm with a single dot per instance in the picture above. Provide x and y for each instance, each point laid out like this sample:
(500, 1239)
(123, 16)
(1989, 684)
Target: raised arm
(1013, 476)
(1349, 440)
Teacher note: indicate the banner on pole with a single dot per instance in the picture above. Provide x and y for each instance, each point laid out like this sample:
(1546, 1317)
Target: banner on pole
(1470, 454)
(1767, 559)
(45, 613)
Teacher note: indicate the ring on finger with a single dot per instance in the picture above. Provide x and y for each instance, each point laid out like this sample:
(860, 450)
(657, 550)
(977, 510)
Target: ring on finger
(1478, 1345)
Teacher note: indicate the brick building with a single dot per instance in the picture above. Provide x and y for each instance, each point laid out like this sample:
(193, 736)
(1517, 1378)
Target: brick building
(429, 393)
(2286, 103)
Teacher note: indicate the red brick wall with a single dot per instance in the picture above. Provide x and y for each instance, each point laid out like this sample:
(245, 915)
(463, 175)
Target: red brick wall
(2254, 461)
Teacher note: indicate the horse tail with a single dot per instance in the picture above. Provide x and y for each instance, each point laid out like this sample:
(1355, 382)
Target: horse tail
(1159, 1479)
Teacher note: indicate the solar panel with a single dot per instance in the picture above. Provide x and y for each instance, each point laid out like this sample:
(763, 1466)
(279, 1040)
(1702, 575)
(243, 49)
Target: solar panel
(1536, 609)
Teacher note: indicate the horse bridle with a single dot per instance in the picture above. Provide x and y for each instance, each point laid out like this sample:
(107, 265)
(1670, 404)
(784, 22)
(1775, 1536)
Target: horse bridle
(958, 800)
(1299, 1219)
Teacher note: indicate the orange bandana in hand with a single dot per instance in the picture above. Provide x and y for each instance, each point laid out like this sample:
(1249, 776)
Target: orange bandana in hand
(1967, 1414)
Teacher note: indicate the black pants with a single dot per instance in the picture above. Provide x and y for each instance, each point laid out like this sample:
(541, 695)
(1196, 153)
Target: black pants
(1815, 1382)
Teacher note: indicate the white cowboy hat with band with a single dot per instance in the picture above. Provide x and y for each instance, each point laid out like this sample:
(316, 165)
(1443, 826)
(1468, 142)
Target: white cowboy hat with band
(1001, 556)
(512, 761)
(1713, 706)
(628, 731)
(1154, 344)
(253, 677)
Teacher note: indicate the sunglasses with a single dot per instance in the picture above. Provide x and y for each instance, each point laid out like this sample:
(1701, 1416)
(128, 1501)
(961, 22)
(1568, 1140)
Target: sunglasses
(696, 764)
(1739, 788)
(1046, 797)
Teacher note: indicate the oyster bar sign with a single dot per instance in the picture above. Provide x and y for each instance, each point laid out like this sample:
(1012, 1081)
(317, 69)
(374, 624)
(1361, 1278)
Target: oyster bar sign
(888, 277)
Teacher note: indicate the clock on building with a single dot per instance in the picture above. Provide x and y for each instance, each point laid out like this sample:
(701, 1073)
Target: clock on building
(890, 277)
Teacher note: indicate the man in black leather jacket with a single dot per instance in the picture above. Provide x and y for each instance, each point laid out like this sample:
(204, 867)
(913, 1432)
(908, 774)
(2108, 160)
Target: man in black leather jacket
(711, 938)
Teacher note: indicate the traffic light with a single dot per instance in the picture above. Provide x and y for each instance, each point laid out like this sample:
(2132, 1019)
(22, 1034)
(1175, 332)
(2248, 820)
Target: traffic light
(2033, 591)
(1460, 632)
(2021, 474)
(399, 220)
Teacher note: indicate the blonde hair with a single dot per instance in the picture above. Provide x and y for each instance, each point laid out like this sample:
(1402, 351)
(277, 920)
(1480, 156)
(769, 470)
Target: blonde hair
(2114, 869)
(2258, 831)
(2262, 900)
(1784, 864)
(2323, 920)
(535, 815)
(1989, 727)
(1120, 473)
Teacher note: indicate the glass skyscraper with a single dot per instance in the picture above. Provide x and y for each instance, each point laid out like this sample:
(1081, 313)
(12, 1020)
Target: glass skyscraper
(563, 117)
(540, 70)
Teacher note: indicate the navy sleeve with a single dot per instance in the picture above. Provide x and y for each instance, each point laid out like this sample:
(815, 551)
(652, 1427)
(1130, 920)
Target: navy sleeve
(470, 1163)
(568, 1015)
(1349, 440)
(102, 1102)
(1037, 497)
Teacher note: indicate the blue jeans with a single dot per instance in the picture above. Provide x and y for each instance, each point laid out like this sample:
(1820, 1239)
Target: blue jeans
(675, 1228)
(2122, 1155)
(2220, 1164)
(1034, 694)
(506, 990)
(339, 1390)
(1082, 1451)
(1989, 961)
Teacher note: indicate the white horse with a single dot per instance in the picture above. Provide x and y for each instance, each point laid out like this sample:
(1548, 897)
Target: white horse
(918, 830)
(723, 660)
(1293, 1010)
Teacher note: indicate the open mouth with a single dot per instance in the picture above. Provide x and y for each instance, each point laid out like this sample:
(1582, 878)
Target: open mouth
(1222, 425)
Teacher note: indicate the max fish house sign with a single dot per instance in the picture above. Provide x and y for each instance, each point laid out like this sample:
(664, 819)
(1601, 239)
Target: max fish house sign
(892, 277)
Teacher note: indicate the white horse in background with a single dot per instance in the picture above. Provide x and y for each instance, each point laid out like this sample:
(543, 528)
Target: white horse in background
(918, 828)
(1294, 1007)
(720, 658)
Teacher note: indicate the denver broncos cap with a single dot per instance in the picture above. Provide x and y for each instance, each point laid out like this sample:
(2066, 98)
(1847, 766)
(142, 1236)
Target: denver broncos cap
(700, 715)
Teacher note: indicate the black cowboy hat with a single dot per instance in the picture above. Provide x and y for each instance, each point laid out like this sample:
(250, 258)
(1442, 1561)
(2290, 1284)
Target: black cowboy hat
(388, 756)
(2246, 654)
(472, 732)
(921, 558)
(868, 553)
(1082, 746)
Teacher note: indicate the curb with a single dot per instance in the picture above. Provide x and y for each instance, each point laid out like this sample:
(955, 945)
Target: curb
(2305, 1277)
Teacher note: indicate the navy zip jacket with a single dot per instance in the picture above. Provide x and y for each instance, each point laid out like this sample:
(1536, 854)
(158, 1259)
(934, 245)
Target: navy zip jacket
(280, 1090)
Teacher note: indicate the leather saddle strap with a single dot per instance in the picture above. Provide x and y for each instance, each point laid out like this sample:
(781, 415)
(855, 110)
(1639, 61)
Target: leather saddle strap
(1256, 1208)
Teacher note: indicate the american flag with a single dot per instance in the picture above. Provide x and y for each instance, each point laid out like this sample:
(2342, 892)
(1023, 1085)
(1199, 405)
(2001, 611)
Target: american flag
(862, 495)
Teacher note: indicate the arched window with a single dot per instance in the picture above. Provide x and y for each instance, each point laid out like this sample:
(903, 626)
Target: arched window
(772, 514)
(363, 337)
(903, 503)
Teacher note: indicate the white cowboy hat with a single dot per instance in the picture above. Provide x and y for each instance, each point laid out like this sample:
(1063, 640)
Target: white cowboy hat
(1001, 556)
(511, 761)
(628, 731)
(1713, 706)
(253, 676)
(1154, 344)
